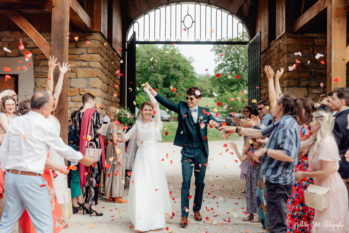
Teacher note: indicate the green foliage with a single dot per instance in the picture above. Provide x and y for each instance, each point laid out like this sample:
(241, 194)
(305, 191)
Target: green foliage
(207, 86)
(125, 117)
(163, 67)
(233, 76)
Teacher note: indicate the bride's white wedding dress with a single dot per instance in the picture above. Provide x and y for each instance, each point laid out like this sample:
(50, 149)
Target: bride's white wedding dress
(149, 200)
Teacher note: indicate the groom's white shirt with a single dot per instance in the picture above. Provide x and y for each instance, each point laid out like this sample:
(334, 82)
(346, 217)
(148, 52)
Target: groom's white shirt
(194, 113)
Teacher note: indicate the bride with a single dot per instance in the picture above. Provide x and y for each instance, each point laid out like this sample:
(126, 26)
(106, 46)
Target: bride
(149, 200)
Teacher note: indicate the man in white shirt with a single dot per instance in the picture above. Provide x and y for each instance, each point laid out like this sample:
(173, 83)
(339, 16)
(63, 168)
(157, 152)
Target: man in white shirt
(23, 155)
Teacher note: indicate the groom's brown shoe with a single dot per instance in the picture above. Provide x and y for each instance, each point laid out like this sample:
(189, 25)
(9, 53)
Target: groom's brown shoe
(197, 216)
(184, 222)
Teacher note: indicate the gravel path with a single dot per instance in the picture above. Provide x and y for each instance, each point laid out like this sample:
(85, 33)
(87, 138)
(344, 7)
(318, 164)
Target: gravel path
(222, 209)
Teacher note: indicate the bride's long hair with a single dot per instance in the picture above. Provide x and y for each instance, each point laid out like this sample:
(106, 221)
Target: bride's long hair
(324, 116)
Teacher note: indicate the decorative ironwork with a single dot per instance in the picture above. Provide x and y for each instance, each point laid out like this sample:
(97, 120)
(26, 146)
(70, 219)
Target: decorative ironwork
(202, 23)
(192, 21)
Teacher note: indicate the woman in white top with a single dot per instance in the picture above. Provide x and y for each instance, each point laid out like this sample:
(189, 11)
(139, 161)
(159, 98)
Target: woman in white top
(59, 179)
(8, 109)
(149, 200)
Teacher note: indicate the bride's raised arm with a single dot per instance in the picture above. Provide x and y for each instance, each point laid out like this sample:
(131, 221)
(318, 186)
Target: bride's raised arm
(155, 105)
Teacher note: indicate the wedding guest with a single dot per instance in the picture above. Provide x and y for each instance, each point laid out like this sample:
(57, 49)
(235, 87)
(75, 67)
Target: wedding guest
(24, 107)
(11, 93)
(324, 158)
(59, 179)
(115, 159)
(74, 174)
(279, 158)
(300, 216)
(340, 104)
(251, 181)
(107, 119)
(247, 113)
(87, 124)
(264, 114)
(25, 188)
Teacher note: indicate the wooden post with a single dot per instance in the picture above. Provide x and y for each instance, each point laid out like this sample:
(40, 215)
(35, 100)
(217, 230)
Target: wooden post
(60, 49)
(336, 44)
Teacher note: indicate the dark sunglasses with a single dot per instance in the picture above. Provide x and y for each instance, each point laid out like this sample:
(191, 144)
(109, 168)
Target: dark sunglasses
(189, 98)
(245, 111)
(260, 109)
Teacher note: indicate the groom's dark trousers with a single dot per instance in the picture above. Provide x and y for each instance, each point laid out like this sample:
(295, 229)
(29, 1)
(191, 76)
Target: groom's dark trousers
(192, 158)
(192, 136)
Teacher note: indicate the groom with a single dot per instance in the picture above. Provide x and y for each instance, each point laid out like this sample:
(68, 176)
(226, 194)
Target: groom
(192, 136)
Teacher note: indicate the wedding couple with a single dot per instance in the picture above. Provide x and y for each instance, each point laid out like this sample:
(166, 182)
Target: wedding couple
(149, 200)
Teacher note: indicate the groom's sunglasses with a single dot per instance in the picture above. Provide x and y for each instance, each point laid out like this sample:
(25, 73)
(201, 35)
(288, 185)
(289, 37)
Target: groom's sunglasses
(189, 98)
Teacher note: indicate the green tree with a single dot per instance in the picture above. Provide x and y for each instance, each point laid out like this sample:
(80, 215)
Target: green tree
(163, 67)
(231, 76)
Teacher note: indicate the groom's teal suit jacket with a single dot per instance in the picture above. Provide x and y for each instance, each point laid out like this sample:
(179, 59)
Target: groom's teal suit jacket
(185, 119)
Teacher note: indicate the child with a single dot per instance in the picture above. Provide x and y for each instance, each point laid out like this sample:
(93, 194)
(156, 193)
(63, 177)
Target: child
(252, 180)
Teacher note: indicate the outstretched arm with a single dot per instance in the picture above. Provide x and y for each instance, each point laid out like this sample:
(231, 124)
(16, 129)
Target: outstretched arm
(279, 74)
(52, 63)
(53, 166)
(62, 70)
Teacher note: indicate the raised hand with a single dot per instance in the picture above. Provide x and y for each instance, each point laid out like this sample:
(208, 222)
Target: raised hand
(259, 154)
(52, 63)
(247, 123)
(227, 129)
(269, 72)
(64, 67)
(279, 73)
(256, 120)
(234, 146)
(213, 123)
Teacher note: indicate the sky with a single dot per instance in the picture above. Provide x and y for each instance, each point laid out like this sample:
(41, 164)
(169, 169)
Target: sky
(202, 57)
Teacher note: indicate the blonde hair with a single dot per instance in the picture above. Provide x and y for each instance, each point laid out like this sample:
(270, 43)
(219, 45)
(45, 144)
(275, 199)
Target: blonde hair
(326, 119)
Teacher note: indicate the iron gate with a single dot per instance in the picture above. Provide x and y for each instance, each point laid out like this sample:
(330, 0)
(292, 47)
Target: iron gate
(254, 68)
(130, 78)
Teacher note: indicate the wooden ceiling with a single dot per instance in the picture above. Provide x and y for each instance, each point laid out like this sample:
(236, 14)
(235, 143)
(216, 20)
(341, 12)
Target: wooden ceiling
(27, 6)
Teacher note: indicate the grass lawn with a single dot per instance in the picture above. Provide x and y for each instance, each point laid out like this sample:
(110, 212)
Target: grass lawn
(171, 127)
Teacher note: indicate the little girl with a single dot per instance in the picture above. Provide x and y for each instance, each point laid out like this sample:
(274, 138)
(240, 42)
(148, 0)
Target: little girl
(251, 181)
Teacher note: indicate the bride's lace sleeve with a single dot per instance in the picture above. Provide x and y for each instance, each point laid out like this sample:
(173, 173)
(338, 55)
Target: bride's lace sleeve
(131, 133)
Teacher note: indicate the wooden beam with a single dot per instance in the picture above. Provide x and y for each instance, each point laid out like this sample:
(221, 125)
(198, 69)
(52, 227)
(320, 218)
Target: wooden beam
(60, 49)
(336, 44)
(262, 25)
(97, 15)
(38, 39)
(79, 17)
(280, 18)
(104, 18)
(236, 6)
(310, 14)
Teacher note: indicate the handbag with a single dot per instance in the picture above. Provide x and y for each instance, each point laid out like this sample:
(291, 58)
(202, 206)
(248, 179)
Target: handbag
(94, 153)
(316, 197)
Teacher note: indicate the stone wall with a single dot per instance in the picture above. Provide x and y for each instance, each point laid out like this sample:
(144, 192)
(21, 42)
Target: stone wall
(309, 77)
(94, 64)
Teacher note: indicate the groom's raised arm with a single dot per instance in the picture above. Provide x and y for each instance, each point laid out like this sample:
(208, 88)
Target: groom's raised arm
(167, 103)
(162, 100)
